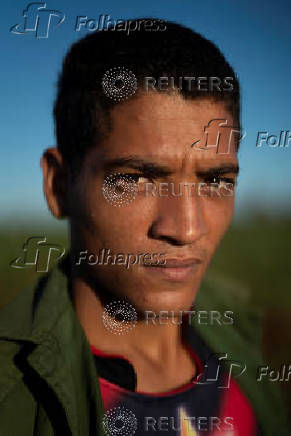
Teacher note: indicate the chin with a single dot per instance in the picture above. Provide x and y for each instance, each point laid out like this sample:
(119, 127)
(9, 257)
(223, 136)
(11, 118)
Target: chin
(162, 300)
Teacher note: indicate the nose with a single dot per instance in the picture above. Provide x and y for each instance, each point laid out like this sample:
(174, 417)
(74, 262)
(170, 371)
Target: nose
(179, 220)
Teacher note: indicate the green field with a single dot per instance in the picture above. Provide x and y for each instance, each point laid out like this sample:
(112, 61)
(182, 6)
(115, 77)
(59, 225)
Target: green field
(254, 256)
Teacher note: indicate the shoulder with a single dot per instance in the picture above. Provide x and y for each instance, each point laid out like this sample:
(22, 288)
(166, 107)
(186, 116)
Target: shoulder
(241, 343)
(231, 300)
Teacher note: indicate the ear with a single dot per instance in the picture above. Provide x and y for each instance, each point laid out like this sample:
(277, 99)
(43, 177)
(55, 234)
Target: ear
(55, 181)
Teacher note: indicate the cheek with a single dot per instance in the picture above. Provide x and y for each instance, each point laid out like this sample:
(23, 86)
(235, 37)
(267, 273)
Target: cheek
(218, 214)
(112, 219)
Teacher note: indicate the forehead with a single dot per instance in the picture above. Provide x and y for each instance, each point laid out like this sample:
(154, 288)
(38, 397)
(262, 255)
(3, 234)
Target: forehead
(162, 128)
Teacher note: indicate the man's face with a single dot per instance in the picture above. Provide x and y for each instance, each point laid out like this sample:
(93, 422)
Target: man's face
(151, 141)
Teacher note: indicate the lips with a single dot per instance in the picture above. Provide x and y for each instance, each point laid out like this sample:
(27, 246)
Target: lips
(175, 269)
(179, 263)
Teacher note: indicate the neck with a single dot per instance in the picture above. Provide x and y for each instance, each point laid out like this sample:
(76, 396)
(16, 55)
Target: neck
(153, 340)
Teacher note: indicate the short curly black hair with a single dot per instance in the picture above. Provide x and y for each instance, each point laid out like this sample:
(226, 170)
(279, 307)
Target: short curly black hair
(82, 110)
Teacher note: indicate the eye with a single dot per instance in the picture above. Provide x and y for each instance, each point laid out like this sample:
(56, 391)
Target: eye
(141, 181)
(220, 181)
(219, 186)
(124, 182)
(140, 178)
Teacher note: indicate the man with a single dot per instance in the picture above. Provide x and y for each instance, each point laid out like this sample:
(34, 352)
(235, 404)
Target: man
(109, 341)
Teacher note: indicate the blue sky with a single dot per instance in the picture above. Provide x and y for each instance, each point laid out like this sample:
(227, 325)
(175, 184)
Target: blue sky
(254, 36)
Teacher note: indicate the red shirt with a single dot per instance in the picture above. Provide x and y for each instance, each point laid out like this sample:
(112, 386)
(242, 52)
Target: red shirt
(197, 408)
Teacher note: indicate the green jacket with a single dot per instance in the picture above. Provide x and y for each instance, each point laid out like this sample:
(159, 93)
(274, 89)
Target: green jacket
(48, 380)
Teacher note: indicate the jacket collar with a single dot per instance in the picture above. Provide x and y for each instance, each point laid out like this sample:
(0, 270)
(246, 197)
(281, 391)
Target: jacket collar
(48, 321)
(38, 309)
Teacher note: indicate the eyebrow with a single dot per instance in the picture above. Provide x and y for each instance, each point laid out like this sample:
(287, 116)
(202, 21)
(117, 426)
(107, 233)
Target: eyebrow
(218, 170)
(138, 164)
(159, 170)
